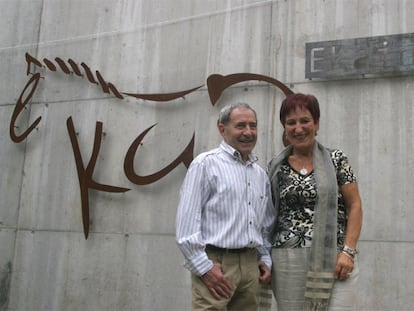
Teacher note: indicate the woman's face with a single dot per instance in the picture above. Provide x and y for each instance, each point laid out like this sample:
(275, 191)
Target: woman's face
(301, 128)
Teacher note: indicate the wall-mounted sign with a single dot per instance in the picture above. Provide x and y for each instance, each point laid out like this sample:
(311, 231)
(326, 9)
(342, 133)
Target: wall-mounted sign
(393, 54)
(216, 84)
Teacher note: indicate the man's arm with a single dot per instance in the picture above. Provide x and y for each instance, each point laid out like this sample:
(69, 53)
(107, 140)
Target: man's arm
(188, 221)
(269, 221)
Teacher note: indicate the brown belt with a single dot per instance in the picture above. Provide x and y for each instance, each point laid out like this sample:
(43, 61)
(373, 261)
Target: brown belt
(213, 248)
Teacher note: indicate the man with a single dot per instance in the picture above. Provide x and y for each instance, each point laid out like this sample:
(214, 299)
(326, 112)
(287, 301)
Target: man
(225, 216)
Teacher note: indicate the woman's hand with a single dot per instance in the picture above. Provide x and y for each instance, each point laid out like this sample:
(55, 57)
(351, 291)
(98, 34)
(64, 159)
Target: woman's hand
(344, 266)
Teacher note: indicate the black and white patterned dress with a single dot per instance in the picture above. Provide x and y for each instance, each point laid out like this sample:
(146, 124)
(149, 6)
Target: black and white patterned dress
(298, 194)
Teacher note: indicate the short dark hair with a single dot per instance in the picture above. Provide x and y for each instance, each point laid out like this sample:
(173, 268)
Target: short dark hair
(224, 115)
(299, 100)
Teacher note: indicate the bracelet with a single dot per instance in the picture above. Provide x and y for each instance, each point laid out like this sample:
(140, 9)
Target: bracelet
(349, 250)
(348, 255)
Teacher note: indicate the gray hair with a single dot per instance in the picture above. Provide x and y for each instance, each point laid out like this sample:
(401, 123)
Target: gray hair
(224, 115)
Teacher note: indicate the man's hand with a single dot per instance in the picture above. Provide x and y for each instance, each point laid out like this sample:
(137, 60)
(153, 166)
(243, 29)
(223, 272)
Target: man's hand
(265, 274)
(215, 281)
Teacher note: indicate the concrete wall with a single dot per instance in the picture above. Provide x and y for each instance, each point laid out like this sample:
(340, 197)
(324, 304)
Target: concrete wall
(130, 261)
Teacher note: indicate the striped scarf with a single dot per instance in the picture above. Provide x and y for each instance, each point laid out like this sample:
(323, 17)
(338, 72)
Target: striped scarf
(320, 279)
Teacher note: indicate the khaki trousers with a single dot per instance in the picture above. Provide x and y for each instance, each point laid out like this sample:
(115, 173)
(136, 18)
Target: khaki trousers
(241, 269)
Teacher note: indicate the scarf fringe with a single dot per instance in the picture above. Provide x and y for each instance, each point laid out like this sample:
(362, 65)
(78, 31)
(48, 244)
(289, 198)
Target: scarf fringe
(316, 305)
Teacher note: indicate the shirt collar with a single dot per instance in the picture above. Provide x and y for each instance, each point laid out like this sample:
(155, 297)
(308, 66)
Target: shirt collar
(236, 154)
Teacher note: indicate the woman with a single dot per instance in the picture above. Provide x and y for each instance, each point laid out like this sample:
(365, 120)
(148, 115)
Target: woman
(320, 216)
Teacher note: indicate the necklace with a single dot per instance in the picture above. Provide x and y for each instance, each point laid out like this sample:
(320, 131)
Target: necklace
(303, 171)
(303, 162)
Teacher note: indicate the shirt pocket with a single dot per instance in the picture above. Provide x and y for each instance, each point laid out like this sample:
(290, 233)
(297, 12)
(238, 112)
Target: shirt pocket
(260, 204)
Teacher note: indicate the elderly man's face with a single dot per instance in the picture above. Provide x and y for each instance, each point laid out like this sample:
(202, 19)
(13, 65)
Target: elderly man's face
(241, 131)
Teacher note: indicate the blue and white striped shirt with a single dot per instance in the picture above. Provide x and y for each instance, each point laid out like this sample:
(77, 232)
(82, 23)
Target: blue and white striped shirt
(225, 203)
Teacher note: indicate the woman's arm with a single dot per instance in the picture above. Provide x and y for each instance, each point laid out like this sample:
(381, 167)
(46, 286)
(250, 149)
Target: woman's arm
(353, 206)
(345, 262)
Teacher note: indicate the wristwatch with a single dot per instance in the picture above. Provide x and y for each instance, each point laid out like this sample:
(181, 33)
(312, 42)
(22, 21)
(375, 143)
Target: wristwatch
(349, 250)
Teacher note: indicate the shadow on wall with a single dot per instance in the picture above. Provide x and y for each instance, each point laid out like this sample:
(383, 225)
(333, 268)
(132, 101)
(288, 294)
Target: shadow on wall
(5, 277)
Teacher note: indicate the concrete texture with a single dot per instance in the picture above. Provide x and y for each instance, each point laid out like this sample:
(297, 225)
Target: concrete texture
(130, 261)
